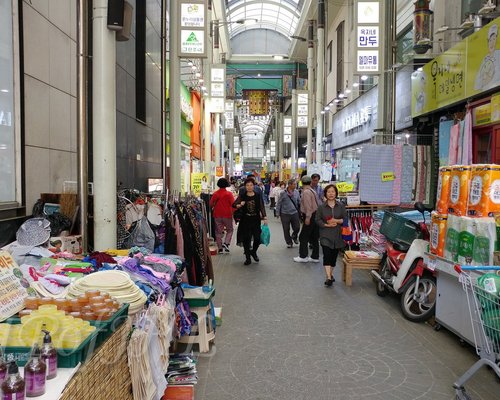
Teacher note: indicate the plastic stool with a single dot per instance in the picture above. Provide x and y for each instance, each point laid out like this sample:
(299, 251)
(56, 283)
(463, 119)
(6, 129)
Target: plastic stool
(204, 336)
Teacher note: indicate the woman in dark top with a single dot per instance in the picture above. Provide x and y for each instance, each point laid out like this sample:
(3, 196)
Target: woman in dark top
(330, 217)
(252, 209)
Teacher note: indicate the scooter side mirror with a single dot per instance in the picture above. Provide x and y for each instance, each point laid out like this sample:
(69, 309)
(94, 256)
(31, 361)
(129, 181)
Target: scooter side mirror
(420, 207)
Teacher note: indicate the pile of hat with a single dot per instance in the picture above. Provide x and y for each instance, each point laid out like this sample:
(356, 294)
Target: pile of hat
(33, 232)
(117, 283)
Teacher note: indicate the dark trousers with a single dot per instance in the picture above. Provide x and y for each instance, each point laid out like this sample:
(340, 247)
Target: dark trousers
(292, 220)
(250, 231)
(330, 256)
(309, 235)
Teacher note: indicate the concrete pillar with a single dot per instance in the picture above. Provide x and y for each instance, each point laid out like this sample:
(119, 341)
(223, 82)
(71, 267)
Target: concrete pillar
(175, 100)
(320, 80)
(104, 128)
(310, 88)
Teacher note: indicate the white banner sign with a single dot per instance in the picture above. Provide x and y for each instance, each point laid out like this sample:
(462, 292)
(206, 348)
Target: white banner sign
(192, 42)
(368, 36)
(192, 15)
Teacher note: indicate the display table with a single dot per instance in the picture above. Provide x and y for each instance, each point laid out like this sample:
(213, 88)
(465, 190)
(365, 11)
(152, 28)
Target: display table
(452, 309)
(359, 260)
(105, 376)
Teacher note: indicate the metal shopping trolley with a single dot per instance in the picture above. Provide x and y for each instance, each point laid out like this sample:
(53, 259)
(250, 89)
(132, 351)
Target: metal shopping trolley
(483, 299)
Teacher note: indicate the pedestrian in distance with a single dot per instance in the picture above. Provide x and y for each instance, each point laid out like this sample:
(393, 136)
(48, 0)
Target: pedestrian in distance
(253, 212)
(221, 204)
(317, 187)
(309, 233)
(275, 195)
(330, 218)
(288, 210)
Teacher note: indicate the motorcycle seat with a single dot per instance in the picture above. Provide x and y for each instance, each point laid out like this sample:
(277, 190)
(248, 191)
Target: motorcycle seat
(402, 247)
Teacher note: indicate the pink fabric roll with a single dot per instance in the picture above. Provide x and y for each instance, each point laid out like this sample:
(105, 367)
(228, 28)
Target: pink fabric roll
(454, 141)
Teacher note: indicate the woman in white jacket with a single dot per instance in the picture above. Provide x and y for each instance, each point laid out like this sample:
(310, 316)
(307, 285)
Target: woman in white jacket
(275, 195)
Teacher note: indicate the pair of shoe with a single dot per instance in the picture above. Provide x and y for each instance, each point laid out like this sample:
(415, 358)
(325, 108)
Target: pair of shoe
(225, 246)
(248, 260)
(221, 251)
(289, 245)
(329, 282)
(295, 240)
(305, 260)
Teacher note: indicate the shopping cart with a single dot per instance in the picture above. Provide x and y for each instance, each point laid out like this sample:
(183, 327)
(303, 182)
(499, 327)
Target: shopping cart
(484, 308)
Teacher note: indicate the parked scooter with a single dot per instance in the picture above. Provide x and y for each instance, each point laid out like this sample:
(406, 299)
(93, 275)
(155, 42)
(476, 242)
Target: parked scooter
(402, 270)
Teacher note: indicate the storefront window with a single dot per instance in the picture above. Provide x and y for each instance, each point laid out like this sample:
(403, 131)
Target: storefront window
(8, 134)
(404, 44)
(470, 7)
(348, 164)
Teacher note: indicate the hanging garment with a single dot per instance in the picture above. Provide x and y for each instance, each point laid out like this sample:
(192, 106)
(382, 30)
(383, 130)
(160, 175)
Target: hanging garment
(375, 160)
(407, 175)
(398, 171)
(466, 150)
(454, 144)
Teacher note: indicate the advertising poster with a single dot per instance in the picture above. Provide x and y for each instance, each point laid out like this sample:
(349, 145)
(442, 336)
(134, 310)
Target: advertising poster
(12, 291)
(468, 69)
(199, 182)
(483, 59)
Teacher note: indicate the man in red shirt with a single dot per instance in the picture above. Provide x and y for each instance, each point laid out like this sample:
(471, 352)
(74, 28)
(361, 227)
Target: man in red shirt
(222, 206)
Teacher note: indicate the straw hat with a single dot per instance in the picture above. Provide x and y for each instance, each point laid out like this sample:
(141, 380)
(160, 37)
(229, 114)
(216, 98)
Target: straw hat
(33, 232)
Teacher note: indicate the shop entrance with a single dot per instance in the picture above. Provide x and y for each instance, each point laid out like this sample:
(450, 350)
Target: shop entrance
(487, 145)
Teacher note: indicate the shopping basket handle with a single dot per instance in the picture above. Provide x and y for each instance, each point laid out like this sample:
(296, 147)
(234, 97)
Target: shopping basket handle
(460, 268)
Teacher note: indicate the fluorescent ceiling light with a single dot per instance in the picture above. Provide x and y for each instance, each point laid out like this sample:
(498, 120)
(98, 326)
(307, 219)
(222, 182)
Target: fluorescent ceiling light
(420, 69)
(443, 29)
(4, 90)
(364, 77)
(347, 90)
(355, 84)
(322, 111)
(341, 95)
(327, 108)
(279, 57)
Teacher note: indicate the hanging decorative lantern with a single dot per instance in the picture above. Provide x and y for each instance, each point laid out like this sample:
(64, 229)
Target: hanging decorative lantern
(422, 29)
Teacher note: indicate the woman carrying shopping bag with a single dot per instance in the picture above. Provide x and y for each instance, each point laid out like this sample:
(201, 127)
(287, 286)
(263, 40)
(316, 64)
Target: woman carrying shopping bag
(253, 211)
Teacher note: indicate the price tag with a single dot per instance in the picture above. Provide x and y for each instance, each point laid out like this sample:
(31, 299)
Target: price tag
(388, 176)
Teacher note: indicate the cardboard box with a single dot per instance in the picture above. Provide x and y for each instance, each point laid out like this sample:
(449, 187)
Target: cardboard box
(70, 244)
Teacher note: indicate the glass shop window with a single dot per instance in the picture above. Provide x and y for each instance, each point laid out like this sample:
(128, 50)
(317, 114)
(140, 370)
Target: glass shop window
(10, 159)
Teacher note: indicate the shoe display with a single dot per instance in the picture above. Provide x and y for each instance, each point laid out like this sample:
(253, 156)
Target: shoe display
(225, 246)
(248, 261)
(301, 260)
(255, 257)
(314, 260)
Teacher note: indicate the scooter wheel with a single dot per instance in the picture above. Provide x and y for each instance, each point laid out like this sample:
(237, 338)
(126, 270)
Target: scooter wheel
(418, 304)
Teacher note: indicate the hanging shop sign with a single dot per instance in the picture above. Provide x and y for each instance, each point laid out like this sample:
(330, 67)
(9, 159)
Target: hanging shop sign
(368, 37)
(216, 105)
(218, 88)
(219, 172)
(301, 108)
(287, 130)
(468, 69)
(193, 35)
(186, 109)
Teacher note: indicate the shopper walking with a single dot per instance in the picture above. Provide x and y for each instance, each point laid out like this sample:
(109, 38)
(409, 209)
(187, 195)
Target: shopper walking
(317, 187)
(221, 204)
(309, 233)
(330, 217)
(253, 211)
(267, 191)
(275, 195)
(288, 210)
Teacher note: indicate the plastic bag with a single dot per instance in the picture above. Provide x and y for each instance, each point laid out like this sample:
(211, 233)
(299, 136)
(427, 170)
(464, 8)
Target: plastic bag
(265, 235)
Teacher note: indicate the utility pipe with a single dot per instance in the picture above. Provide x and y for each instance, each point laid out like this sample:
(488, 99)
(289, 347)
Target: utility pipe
(310, 82)
(82, 115)
(320, 80)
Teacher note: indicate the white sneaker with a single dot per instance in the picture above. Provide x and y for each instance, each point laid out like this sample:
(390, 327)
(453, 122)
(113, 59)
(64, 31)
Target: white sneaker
(314, 260)
(301, 260)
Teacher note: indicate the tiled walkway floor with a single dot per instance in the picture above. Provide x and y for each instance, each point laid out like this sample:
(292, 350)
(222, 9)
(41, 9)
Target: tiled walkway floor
(286, 336)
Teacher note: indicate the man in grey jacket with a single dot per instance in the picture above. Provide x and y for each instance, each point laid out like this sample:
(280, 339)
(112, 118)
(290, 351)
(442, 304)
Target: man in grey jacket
(288, 209)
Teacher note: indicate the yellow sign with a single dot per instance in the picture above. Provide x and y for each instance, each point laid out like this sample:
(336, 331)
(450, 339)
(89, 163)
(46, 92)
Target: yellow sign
(237, 159)
(345, 187)
(469, 68)
(495, 107)
(482, 115)
(199, 182)
(219, 171)
(388, 176)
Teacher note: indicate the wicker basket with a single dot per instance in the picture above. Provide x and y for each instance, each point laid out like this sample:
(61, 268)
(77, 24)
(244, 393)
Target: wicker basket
(106, 375)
